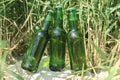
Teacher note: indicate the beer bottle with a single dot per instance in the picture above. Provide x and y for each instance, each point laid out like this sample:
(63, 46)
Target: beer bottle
(57, 42)
(75, 43)
(37, 47)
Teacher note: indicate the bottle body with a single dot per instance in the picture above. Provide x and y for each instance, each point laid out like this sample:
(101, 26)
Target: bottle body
(75, 43)
(57, 43)
(35, 52)
(76, 50)
(57, 51)
(37, 47)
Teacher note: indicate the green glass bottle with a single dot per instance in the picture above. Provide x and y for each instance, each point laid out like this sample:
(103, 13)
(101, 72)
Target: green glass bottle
(57, 42)
(75, 43)
(37, 47)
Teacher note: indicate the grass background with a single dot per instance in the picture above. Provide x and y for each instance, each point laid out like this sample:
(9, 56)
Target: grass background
(99, 21)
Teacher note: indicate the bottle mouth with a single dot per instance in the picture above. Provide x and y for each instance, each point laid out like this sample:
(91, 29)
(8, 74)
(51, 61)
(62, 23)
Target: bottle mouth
(59, 7)
(71, 9)
(50, 11)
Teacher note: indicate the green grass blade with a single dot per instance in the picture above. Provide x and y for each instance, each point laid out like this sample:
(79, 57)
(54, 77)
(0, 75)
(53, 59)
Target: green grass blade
(110, 28)
(115, 8)
(99, 50)
(18, 77)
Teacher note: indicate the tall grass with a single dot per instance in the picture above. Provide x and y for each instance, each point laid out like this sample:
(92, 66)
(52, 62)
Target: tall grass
(99, 21)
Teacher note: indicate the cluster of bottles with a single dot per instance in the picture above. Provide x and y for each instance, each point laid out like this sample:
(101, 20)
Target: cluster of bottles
(58, 38)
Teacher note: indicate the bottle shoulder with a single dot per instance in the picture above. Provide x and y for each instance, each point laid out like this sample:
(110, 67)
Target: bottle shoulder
(75, 34)
(41, 33)
(58, 31)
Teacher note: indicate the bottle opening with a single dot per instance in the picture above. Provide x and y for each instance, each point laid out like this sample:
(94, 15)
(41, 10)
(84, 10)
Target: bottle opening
(59, 7)
(71, 9)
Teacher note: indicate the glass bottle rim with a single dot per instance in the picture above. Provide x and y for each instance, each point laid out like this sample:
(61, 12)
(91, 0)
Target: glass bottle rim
(59, 7)
(50, 11)
(71, 9)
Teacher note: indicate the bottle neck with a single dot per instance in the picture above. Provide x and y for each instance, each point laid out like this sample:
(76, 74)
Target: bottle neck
(72, 20)
(58, 18)
(73, 25)
(46, 25)
(47, 22)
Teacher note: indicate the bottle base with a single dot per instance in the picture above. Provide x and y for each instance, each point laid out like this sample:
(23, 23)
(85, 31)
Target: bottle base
(78, 68)
(55, 68)
(28, 68)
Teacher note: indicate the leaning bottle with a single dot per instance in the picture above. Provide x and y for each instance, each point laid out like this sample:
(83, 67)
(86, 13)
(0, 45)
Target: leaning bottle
(75, 43)
(37, 46)
(57, 42)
